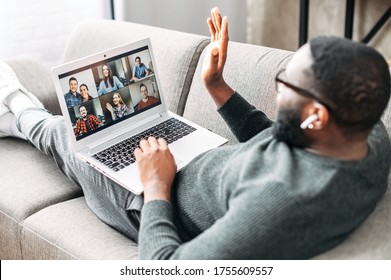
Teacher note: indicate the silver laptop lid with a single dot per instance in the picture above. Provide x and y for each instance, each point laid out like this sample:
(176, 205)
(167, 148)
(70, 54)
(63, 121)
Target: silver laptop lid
(124, 90)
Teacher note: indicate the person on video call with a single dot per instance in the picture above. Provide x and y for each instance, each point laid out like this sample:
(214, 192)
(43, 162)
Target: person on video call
(119, 109)
(85, 94)
(146, 100)
(87, 122)
(109, 82)
(72, 97)
(290, 189)
(139, 70)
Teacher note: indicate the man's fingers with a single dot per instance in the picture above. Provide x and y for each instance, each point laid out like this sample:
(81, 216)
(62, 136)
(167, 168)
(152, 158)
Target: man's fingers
(224, 30)
(216, 19)
(144, 144)
(224, 40)
(162, 142)
(137, 153)
(212, 29)
(218, 23)
(150, 143)
(153, 143)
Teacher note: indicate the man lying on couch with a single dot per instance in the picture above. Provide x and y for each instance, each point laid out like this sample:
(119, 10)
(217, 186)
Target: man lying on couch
(290, 190)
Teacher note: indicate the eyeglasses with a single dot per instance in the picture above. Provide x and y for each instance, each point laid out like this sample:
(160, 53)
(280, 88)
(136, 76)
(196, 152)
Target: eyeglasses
(303, 92)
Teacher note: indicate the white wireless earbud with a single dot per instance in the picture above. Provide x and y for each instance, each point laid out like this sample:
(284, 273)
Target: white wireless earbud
(307, 123)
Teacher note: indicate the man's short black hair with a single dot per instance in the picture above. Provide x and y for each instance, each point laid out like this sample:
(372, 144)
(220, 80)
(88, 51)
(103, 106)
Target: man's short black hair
(72, 79)
(354, 77)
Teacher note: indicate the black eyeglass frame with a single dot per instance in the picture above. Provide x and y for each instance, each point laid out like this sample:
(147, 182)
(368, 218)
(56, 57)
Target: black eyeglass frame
(301, 91)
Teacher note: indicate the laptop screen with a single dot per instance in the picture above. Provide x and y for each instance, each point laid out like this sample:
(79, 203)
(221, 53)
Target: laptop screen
(108, 92)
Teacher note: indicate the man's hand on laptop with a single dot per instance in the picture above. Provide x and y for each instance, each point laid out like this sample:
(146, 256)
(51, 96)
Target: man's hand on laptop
(157, 168)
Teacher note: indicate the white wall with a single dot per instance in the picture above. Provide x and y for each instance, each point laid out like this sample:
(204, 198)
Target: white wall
(39, 29)
(184, 15)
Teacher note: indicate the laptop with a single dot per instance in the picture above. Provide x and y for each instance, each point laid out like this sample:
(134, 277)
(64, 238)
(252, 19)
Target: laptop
(123, 103)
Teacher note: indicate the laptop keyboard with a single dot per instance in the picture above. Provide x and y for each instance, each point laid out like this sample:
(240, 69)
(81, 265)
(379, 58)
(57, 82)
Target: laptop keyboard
(121, 154)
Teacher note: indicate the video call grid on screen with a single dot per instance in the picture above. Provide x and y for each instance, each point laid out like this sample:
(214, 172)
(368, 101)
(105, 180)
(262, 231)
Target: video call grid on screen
(126, 87)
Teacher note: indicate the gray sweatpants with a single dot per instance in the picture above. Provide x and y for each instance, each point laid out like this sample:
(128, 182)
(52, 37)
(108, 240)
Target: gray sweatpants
(112, 203)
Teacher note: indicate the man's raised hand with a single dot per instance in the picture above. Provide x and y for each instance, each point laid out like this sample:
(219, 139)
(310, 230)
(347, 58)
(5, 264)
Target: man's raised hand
(216, 55)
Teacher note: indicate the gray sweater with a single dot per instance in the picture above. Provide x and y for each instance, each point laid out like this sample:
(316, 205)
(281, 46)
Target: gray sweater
(262, 199)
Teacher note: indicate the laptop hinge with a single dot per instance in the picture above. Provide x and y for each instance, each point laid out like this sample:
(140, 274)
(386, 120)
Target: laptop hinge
(121, 133)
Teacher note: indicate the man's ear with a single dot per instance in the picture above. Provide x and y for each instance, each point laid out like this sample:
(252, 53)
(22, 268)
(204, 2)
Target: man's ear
(316, 116)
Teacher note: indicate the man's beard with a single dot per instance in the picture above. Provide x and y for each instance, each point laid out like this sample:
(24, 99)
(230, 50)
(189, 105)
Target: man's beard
(287, 128)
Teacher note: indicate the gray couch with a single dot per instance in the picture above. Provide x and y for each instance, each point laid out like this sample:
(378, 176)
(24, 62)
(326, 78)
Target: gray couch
(43, 215)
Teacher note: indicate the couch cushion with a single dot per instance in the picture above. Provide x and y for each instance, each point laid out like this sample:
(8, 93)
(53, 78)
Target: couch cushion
(30, 181)
(176, 53)
(69, 230)
(250, 70)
